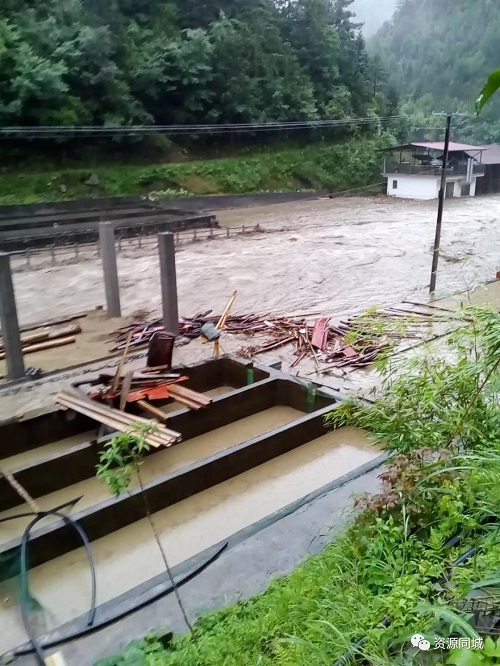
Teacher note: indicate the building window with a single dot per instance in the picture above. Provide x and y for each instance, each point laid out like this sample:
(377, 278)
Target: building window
(394, 184)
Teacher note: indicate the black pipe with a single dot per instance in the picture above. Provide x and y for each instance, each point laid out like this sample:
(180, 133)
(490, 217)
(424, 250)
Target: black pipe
(75, 635)
(24, 576)
(66, 505)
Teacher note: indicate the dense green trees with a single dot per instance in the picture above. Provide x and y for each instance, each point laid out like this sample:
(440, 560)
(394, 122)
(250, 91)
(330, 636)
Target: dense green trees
(182, 61)
(438, 53)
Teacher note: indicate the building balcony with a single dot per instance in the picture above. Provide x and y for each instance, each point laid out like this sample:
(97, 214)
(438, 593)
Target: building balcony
(426, 170)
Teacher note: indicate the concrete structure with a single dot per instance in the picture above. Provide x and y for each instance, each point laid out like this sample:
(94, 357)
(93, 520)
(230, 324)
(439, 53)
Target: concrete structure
(109, 267)
(8, 317)
(168, 280)
(417, 174)
(54, 472)
(490, 184)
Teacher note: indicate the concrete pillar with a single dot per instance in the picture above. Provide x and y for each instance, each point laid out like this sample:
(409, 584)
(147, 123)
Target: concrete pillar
(110, 270)
(10, 325)
(168, 279)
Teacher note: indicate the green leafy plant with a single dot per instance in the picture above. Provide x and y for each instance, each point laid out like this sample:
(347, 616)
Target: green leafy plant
(490, 88)
(119, 462)
(446, 401)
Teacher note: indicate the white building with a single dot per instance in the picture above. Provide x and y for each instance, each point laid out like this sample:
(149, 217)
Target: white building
(417, 173)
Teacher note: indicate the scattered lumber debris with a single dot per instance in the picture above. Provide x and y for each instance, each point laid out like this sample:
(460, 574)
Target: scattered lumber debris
(353, 343)
(46, 339)
(114, 418)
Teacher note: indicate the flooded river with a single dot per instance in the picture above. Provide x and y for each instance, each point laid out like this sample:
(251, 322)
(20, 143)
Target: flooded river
(337, 255)
(130, 556)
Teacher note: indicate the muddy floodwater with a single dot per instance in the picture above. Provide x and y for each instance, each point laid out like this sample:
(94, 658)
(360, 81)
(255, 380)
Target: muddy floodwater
(130, 556)
(337, 255)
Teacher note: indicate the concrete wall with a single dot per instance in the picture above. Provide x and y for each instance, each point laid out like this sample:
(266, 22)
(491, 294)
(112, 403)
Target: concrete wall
(412, 187)
(457, 191)
(422, 187)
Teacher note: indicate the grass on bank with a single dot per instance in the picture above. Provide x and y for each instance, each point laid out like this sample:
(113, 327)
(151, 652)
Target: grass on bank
(394, 560)
(317, 167)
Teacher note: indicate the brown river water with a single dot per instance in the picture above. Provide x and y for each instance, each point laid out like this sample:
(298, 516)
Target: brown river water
(337, 255)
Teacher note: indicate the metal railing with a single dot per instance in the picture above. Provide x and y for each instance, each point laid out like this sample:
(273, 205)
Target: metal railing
(427, 170)
(72, 252)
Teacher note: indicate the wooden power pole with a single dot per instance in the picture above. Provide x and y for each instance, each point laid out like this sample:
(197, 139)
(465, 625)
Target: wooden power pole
(442, 194)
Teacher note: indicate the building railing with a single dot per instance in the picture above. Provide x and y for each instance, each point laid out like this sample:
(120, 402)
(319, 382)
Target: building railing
(427, 170)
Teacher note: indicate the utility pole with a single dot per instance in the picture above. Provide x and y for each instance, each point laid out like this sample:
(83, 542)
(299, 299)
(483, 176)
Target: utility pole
(442, 193)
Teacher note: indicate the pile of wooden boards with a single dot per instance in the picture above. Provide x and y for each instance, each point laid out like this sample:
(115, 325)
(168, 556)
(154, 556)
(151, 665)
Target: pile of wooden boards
(140, 386)
(188, 398)
(47, 334)
(46, 338)
(116, 419)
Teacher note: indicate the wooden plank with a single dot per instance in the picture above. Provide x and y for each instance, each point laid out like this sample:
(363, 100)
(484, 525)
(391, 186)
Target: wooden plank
(176, 389)
(126, 384)
(320, 333)
(116, 380)
(154, 411)
(115, 419)
(222, 321)
(53, 322)
(41, 346)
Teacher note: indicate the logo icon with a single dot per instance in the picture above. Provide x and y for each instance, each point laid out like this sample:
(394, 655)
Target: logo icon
(420, 642)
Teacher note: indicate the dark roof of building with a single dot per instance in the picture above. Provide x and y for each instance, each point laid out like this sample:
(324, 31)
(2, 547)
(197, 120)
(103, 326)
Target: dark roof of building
(491, 154)
(439, 145)
(454, 147)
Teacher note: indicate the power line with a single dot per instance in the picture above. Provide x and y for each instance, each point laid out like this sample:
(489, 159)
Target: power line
(143, 130)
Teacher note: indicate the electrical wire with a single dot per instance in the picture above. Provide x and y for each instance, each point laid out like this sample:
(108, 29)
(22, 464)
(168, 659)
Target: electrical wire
(25, 583)
(97, 626)
(223, 128)
(28, 514)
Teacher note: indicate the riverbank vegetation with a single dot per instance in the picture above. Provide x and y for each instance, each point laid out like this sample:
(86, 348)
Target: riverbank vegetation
(412, 557)
(319, 166)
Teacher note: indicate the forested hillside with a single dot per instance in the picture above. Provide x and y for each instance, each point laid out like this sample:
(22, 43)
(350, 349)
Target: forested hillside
(438, 53)
(373, 13)
(88, 62)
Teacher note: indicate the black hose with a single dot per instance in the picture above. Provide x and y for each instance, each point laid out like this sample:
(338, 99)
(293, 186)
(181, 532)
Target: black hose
(66, 505)
(24, 575)
(75, 635)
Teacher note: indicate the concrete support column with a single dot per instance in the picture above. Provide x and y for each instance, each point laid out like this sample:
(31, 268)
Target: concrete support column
(10, 325)
(110, 270)
(168, 279)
